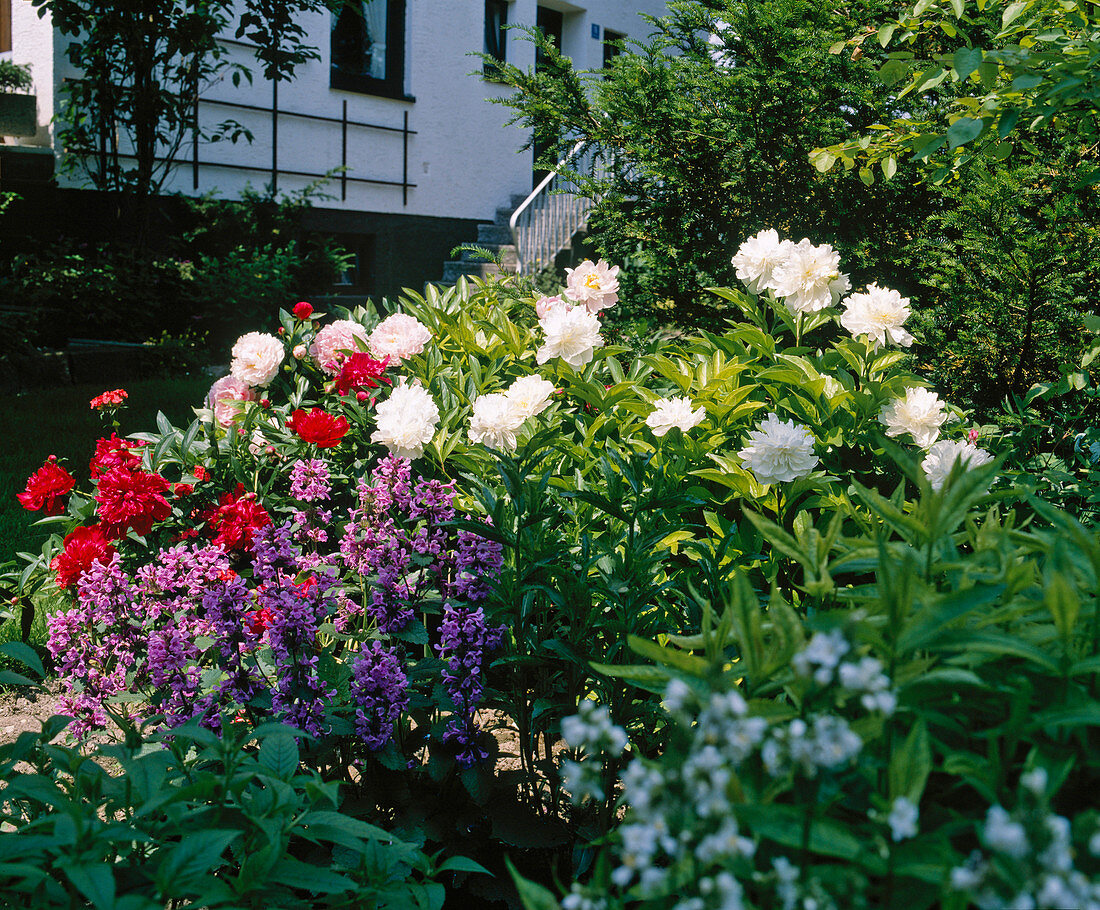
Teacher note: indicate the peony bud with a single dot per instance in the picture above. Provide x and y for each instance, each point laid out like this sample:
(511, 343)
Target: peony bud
(282, 331)
(265, 403)
(303, 310)
(299, 352)
(361, 395)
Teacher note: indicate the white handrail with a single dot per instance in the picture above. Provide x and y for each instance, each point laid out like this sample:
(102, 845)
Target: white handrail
(546, 220)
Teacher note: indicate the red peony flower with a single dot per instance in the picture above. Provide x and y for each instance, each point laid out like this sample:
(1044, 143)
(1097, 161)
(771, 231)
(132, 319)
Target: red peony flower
(200, 473)
(302, 310)
(82, 547)
(236, 520)
(45, 487)
(258, 620)
(361, 371)
(131, 499)
(109, 400)
(318, 427)
(114, 453)
(179, 490)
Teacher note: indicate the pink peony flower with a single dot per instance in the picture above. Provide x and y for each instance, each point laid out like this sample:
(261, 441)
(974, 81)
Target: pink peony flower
(596, 285)
(222, 397)
(397, 337)
(544, 305)
(335, 342)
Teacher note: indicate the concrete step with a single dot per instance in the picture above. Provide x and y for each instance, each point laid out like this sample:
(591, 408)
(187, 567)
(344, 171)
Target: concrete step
(493, 233)
(453, 270)
(505, 251)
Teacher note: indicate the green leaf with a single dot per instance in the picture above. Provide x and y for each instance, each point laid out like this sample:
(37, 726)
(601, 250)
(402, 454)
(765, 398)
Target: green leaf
(783, 824)
(885, 33)
(669, 657)
(963, 131)
(279, 753)
(911, 764)
(296, 874)
(889, 167)
(967, 60)
(933, 619)
(23, 653)
(192, 858)
(533, 896)
(95, 881)
(461, 864)
(1012, 11)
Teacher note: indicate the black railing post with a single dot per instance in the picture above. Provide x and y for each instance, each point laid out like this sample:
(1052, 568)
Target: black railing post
(405, 160)
(274, 134)
(344, 153)
(195, 145)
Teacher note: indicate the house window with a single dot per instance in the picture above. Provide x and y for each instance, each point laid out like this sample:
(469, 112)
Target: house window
(612, 46)
(368, 47)
(496, 37)
(5, 25)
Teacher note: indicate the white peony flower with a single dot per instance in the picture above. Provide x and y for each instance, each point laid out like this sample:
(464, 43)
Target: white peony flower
(257, 357)
(530, 394)
(674, 412)
(397, 337)
(224, 399)
(943, 455)
(335, 341)
(809, 278)
(572, 333)
(920, 413)
(757, 258)
(879, 314)
(495, 421)
(594, 285)
(779, 451)
(406, 420)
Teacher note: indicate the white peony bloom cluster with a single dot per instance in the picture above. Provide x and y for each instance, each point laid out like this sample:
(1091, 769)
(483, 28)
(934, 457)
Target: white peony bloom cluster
(495, 420)
(257, 357)
(499, 415)
(596, 285)
(397, 337)
(335, 341)
(920, 413)
(757, 258)
(674, 412)
(530, 394)
(572, 333)
(943, 455)
(226, 397)
(779, 451)
(880, 314)
(406, 420)
(806, 277)
(809, 278)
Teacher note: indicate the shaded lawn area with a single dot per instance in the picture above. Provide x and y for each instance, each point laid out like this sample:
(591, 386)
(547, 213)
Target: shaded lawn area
(60, 422)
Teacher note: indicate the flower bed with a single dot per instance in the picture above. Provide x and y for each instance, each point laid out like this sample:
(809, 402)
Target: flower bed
(375, 529)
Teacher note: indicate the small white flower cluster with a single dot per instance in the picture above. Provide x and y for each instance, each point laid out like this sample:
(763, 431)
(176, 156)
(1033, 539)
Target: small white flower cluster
(826, 743)
(822, 660)
(592, 731)
(499, 415)
(779, 451)
(1039, 849)
(805, 277)
(793, 893)
(903, 819)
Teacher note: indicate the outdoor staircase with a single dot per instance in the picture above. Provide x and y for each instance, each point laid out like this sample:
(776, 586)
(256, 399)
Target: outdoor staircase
(535, 232)
(497, 239)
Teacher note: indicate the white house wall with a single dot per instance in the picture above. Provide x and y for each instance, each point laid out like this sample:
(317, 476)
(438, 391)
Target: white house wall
(461, 158)
(34, 43)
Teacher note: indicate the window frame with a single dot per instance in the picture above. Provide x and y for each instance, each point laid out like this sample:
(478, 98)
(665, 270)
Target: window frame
(489, 71)
(5, 27)
(393, 85)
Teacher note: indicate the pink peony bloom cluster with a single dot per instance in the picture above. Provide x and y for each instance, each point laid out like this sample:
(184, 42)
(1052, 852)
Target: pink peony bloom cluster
(397, 337)
(335, 342)
(223, 397)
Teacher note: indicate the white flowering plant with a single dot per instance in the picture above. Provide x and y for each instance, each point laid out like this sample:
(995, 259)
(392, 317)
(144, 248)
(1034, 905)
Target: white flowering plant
(907, 746)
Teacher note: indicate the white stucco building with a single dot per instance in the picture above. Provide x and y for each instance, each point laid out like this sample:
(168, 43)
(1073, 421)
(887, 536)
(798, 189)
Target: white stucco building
(394, 98)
